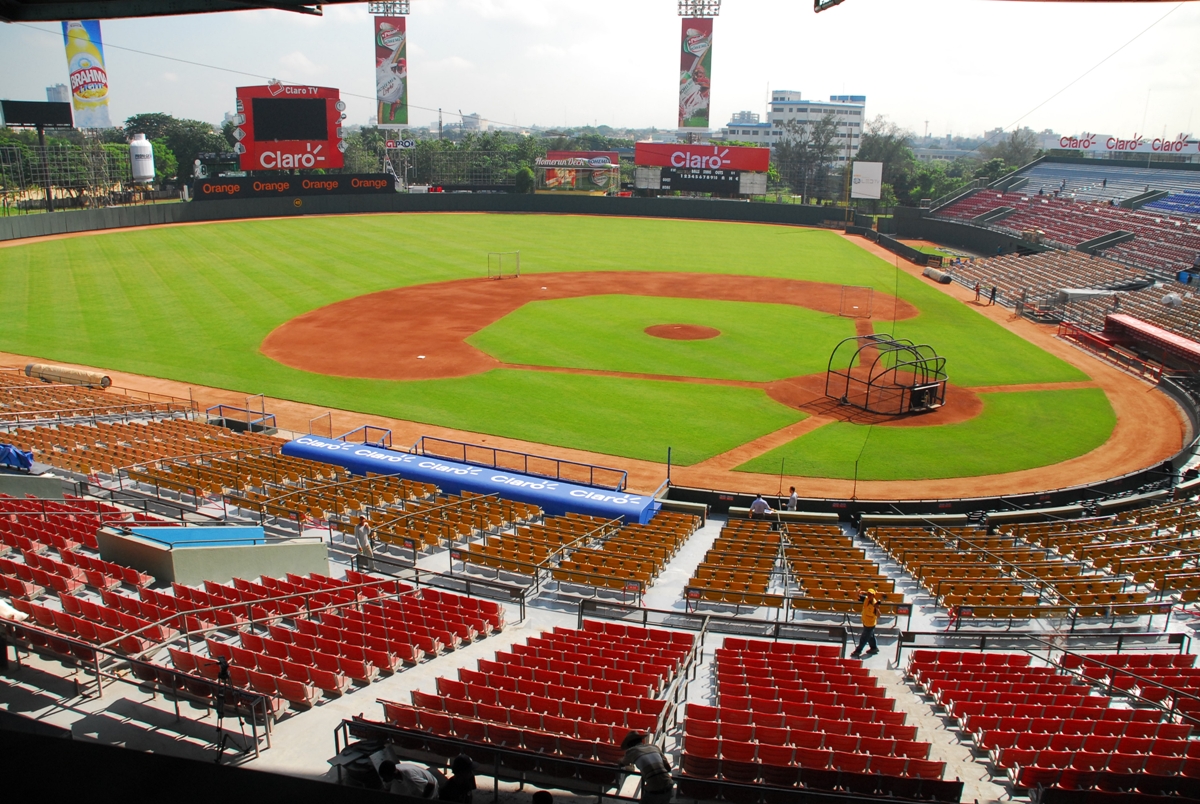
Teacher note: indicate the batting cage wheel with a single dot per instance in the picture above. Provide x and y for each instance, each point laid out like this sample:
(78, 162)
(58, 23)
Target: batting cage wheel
(504, 264)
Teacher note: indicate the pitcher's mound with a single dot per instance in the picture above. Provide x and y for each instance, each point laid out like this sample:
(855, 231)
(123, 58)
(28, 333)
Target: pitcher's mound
(682, 332)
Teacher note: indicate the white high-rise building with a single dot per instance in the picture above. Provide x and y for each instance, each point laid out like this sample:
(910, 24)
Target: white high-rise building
(59, 93)
(849, 113)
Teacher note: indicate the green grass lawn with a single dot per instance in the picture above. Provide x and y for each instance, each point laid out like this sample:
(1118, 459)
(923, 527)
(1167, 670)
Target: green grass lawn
(608, 333)
(1020, 430)
(193, 303)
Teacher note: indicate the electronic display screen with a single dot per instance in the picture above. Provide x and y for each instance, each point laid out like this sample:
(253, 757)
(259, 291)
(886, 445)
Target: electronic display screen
(290, 119)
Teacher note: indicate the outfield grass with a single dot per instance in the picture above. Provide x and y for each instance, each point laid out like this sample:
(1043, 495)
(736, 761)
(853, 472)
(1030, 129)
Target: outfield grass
(1020, 430)
(193, 304)
(758, 342)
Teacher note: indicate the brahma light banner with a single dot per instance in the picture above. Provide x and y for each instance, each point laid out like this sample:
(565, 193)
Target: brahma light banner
(867, 180)
(695, 72)
(89, 79)
(391, 72)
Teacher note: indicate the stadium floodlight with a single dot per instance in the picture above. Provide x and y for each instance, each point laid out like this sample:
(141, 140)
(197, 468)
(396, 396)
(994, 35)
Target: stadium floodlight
(388, 8)
(822, 5)
(699, 8)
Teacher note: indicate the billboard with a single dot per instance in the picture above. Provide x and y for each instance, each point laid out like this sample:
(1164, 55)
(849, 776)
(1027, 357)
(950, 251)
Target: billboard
(695, 72)
(867, 180)
(89, 79)
(595, 158)
(723, 182)
(1137, 144)
(702, 157)
(391, 72)
(285, 127)
(291, 186)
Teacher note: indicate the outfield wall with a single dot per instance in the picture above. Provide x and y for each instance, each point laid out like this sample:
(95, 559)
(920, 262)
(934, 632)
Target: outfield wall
(17, 227)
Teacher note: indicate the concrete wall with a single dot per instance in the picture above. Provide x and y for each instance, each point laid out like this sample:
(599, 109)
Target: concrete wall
(192, 565)
(911, 225)
(22, 226)
(18, 485)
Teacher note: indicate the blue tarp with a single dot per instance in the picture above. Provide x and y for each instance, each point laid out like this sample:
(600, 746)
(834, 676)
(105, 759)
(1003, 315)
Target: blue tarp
(17, 459)
(555, 497)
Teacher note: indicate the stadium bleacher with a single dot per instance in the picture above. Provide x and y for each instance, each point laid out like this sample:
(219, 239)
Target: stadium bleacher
(1103, 182)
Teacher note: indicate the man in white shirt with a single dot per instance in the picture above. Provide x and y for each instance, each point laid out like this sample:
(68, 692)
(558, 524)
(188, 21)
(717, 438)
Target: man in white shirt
(794, 500)
(759, 507)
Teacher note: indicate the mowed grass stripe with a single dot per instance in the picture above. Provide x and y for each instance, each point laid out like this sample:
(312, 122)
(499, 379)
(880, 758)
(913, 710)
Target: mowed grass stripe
(1019, 430)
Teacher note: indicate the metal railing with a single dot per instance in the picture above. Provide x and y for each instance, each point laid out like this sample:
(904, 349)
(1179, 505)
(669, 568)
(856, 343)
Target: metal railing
(523, 462)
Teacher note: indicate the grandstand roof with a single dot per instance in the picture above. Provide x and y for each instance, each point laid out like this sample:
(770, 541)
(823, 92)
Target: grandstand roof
(52, 10)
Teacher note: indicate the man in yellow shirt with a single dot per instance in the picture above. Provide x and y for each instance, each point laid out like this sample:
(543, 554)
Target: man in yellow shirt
(870, 616)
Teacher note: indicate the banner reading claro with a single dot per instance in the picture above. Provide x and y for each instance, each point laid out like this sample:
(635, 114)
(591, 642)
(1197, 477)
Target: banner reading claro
(292, 186)
(286, 127)
(702, 157)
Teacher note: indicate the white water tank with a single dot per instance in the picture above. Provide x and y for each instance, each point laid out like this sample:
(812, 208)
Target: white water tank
(141, 156)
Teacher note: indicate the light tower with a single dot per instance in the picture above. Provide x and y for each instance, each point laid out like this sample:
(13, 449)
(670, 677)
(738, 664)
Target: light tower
(695, 66)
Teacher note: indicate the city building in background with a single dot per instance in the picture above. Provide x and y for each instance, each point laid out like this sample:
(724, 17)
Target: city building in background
(787, 108)
(59, 93)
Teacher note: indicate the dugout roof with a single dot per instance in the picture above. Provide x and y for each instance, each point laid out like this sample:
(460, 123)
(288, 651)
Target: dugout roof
(1121, 324)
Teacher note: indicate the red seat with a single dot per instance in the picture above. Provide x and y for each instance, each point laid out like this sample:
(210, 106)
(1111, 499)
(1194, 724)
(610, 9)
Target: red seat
(850, 762)
(925, 769)
(1078, 779)
(1162, 765)
(813, 758)
(331, 682)
(263, 683)
(295, 691)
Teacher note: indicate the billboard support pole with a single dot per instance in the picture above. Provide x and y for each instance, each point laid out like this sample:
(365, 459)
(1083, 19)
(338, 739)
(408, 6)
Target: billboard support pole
(41, 130)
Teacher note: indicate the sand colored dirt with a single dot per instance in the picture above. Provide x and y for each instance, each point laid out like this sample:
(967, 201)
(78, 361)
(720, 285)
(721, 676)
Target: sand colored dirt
(682, 332)
(420, 332)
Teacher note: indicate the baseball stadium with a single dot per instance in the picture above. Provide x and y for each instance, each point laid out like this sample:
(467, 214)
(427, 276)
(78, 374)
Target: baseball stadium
(317, 487)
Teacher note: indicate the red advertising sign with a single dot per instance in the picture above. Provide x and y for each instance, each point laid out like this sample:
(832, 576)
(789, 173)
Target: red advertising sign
(284, 127)
(595, 158)
(702, 157)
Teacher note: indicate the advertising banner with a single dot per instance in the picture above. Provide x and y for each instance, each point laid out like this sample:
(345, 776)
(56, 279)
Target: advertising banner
(89, 79)
(702, 157)
(391, 71)
(695, 72)
(293, 186)
(287, 127)
(555, 497)
(1137, 144)
(866, 180)
(595, 158)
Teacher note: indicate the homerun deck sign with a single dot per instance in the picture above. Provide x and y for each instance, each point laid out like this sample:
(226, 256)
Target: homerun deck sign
(292, 186)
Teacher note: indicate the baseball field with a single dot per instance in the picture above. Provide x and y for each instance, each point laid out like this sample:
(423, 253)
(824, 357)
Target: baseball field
(622, 337)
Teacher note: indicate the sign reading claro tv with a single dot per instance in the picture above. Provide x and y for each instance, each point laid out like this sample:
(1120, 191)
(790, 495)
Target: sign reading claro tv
(702, 157)
(286, 127)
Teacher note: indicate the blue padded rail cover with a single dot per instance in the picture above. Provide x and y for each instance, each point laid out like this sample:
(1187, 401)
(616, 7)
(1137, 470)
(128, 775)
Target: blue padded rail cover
(554, 497)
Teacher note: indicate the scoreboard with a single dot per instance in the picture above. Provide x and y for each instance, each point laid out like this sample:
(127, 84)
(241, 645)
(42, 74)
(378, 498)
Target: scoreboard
(285, 127)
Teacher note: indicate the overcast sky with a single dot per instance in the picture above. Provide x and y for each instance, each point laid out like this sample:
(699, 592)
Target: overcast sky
(962, 65)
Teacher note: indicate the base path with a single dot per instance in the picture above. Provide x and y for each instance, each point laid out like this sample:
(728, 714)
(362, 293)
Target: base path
(420, 332)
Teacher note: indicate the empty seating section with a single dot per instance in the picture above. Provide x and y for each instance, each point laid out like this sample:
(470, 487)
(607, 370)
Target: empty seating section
(445, 518)
(1170, 679)
(1001, 576)
(1037, 278)
(567, 693)
(809, 567)
(796, 714)
(105, 448)
(1100, 181)
(1040, 727)
(1162, 243)
(1156, 548)
(586, 551)
(528, 547)
(26, 401)
(1184, 204)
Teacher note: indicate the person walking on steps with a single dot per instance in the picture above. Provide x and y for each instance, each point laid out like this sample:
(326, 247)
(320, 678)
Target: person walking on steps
(870, 616)
(362, 535)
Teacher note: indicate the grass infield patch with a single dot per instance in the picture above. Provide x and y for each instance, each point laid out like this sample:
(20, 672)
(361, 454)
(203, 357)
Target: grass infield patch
(608, 333)
(1015, 431)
